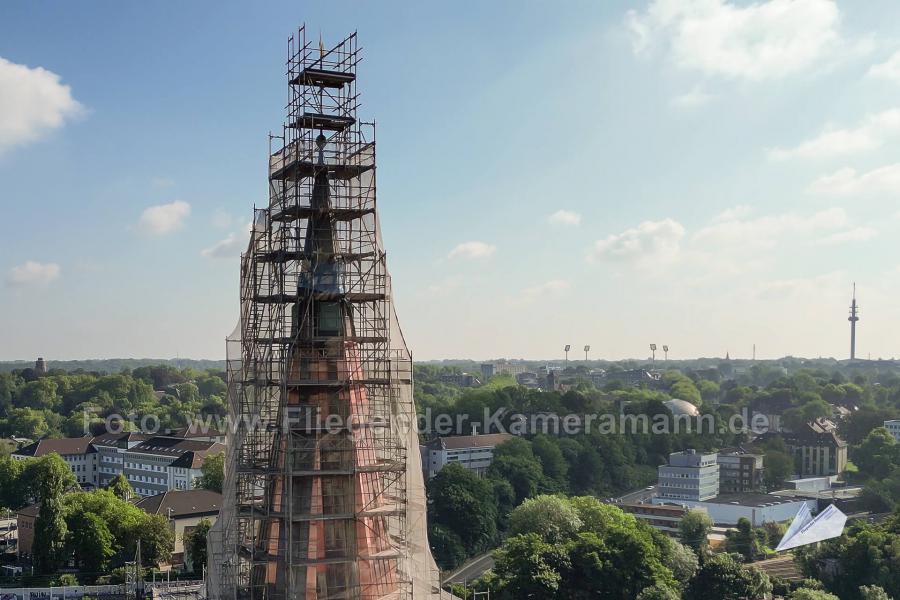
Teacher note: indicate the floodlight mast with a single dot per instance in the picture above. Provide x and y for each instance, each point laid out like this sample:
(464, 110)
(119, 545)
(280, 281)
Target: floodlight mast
(666, 351)
(586, 350)
(566, 349)
(653, 353)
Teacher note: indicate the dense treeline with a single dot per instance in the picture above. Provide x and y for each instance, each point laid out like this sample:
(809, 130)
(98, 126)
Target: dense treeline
(36, 405)
(605, 465)
(92, 531)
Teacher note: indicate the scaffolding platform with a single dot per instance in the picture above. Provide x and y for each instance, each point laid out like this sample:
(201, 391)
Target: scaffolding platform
(351, 297)
(323, 78)
(322, 122)
(295, 213)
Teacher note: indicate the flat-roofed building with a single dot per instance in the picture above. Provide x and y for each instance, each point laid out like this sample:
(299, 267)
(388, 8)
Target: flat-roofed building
(893, 427)
(740, 471)
(661, 517)
(689, 475)
(474, 452)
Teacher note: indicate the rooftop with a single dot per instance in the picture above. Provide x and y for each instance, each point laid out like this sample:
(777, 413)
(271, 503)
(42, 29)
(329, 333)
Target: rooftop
(173, 446)
(62, 446)
(184, 503)
(488, 440)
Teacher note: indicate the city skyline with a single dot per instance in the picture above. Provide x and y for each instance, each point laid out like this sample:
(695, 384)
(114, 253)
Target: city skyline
(609, 175)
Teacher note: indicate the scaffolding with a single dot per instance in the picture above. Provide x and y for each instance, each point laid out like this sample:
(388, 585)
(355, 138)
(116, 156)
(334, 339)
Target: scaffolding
(324, 497)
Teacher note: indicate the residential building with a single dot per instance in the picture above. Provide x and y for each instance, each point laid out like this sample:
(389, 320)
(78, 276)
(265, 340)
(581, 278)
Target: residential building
(817, 449)
(474, 452)
(893, 427)
(79, 454)
(689, 475)
(25, 519)
(740, 471)
(40, 366)
(184, 510)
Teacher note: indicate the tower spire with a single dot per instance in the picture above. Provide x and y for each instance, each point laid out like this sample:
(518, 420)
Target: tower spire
(853, 318)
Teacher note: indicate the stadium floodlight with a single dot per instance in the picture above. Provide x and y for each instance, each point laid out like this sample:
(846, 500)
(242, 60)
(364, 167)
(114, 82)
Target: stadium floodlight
(587, 349)
(653, 351)
(566, 349)
(666, 350)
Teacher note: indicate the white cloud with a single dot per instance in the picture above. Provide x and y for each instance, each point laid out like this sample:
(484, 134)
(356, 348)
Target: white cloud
(223, 220)
(855, 234)
(650, 242)
(730, 214)
(33, 102)
(869, 134)
(231, 246)
(565, 217)
(472, 250)
(164, 218)
(763, 40)
(889, 69)
(692, 99)
(810, 289)
(33, 274)
(764, 231)
(849, 182)
(554, 288)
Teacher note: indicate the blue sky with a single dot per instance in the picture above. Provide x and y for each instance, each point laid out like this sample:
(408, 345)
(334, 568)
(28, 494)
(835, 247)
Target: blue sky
(707, 174)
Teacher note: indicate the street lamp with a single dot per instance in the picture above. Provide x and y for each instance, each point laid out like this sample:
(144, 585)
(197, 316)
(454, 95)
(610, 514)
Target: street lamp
(653, 350)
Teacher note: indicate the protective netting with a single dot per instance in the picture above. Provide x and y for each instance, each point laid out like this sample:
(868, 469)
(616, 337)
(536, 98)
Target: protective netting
(315, 512)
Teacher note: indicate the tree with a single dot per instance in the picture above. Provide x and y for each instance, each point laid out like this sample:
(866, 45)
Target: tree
(721, 577)
(50, 478)
(872, 592)
(528, 567)
(157, 540)
(658, 592)
(91, 542)
(551, 517)
(465, 504)
(745, 540)
(779, 466)
(694, 528)
(212, 475)
(121, 488)
(13, 488)
(554, 465)
(195, 545)
(877, 454)
(447, 547)
(523, 473)
(808, 594)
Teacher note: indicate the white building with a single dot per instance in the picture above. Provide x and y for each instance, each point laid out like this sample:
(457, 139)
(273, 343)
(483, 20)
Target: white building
(152, 465)
(893, 426)
(474, 452)
(756, 508)
(689, 475)
(79, 454)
